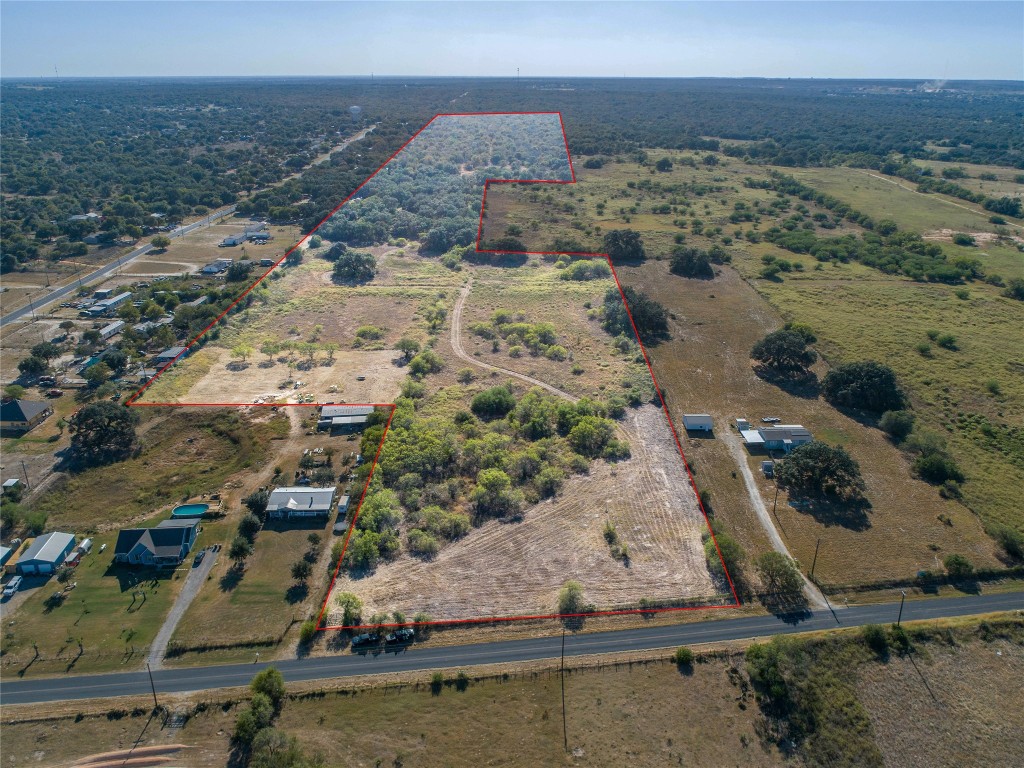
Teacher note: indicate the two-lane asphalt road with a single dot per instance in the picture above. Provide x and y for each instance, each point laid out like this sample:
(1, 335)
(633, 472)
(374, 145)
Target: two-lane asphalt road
(58, 293)
(347, 664)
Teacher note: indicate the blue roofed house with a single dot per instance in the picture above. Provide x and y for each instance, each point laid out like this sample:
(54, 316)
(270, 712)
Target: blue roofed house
(165, 545)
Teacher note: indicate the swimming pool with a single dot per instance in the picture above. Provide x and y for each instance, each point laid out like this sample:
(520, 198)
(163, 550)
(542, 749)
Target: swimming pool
(190, 510)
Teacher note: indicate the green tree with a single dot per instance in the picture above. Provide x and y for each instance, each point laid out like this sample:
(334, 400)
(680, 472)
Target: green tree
(45, 350)
(15, 391)
(649, 317)
(819, 468)
(32, 366)
(302, 570)
(257, 716)
(239, 550)
(624, 245)
(355, 267)
(256, 502)
(1015, 289)
(102, 433)
(571, 599)
(352, 609)
(785, 352)
(493, 403)
(867, 385)
(691, 262)
(97, 373)
(249, 526)
(307, 632)
(161, 242)
(779, 574)
(683, 657)
(427, 361)
(242, 352)
(732, 554)
(270, 348)
(590, 435)
(898, 424)
(958, 567)
(270, 683)
(494, 494)
(408, 348)
(664, 165)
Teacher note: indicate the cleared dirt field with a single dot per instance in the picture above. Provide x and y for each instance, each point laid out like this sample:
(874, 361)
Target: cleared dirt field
(507, 569)
(227, 380)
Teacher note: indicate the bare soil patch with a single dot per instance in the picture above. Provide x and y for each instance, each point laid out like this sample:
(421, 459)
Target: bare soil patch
(228, 381)
(508, 569)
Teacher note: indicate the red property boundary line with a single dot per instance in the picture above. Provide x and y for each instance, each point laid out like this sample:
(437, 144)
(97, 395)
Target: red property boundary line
(133, 400)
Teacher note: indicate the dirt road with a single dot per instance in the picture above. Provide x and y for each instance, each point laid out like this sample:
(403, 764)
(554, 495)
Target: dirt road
(812, 593)
(460, 351)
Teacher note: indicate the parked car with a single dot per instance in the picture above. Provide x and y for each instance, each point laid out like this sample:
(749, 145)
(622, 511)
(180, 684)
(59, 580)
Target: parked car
(12, 586)
(400, 636)
(367, 638)
(55, 393)
(199, 558)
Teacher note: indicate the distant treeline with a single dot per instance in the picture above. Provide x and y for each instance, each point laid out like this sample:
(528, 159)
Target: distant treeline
(132, 148)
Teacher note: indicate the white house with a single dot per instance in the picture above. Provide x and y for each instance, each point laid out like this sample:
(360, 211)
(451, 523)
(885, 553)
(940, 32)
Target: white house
(295, 502)
(778, 437)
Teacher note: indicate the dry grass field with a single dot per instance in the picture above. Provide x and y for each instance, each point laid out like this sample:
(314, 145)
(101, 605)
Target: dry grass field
(706, 367)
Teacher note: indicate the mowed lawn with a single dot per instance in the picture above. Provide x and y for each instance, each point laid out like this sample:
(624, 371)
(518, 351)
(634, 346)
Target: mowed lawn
(114, 612)
(258, 605)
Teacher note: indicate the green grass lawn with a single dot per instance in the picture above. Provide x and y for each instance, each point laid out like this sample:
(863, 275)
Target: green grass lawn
(111, 611)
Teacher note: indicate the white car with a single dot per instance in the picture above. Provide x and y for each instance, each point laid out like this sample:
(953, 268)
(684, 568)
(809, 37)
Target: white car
(12, 586)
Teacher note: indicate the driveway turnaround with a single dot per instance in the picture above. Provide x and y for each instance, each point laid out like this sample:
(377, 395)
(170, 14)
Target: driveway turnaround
(348, 664)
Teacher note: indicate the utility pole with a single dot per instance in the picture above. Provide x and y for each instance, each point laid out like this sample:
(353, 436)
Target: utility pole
(565, 730)
(775, 503)
(903, 597)
(24, 470)
(815, 561)
(152, 686)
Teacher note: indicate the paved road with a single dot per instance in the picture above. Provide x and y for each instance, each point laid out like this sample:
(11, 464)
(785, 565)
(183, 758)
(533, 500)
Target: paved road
(59, 293)
(439, 657)
(195, 579)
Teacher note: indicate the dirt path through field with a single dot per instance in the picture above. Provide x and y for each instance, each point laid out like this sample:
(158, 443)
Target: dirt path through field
(943, 199)
(812, 593)
(460, 351)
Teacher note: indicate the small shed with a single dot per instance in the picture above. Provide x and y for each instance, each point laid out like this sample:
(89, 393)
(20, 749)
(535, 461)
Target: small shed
(698, 422)
(768, 468)
(5, 555)
(742, 425)
(10, 485)
(46, 553)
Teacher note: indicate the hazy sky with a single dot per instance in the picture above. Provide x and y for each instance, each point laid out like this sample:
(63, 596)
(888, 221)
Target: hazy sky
(976, 40)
